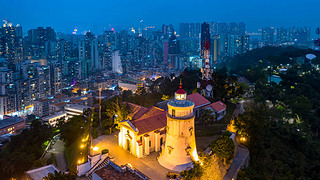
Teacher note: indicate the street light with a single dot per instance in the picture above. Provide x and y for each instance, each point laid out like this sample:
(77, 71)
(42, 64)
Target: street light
(243, 139)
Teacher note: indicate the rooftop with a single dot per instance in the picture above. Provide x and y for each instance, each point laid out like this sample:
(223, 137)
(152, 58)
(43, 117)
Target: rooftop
(61, 113)
(151, 111)
(218, 106)
(150, 123)
(198, 99)
(114, 172)
(10, 121)
(60, 104)
(76, 107)
(180, 91)
(136, 111)
(129, 80)
(40, 173)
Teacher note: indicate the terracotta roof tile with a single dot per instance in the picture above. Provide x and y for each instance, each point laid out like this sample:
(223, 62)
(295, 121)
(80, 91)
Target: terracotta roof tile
(218, 106)
(136, 111)
(198, 99)
(152, 111)
(151, 123)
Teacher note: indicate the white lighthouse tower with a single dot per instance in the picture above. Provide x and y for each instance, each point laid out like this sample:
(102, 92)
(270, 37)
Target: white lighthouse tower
(180, 145)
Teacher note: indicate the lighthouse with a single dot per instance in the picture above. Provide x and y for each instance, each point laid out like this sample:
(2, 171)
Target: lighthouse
(179, 149)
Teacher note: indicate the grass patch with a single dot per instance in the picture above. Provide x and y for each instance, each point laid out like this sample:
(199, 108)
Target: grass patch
(74, 153)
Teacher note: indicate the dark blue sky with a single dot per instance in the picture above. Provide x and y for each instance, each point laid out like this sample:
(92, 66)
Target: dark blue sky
(94, 15)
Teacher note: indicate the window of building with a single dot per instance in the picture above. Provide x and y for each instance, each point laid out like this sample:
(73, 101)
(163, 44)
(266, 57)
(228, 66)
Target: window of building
(170, 149)
(161, 141)
(191, 131)
(173, 113)
(141, 138)
(149, 143)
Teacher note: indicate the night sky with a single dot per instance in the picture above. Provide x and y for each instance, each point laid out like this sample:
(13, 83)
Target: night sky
(95, 15)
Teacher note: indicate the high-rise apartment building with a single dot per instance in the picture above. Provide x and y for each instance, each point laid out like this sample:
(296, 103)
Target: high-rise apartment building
(116, 62)
(174, 60)
(11, 44)
(268, 35)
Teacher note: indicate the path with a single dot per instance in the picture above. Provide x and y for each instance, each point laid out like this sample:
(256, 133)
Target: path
(58, 150)
(238, 162)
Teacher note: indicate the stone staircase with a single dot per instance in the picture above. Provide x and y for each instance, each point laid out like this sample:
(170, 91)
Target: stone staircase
(98, 165)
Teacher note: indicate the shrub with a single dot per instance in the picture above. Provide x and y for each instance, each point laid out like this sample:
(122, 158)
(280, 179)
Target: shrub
(105, 151)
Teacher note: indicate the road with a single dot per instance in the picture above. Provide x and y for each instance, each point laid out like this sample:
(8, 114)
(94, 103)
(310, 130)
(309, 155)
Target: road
(147, 165)
(238, 160)
(58, 150)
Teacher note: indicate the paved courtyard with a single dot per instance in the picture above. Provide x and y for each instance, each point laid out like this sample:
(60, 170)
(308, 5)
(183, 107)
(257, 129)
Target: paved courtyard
(147, 165)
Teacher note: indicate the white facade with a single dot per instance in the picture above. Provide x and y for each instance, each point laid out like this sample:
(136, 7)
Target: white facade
(52, 120)
(179, 149)
(74, 109)
(140, 145)
(116, 62)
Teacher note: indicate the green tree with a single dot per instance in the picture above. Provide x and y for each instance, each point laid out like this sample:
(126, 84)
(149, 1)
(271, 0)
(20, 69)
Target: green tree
(73, 129)
(224, 148)
(207, 116)
(59, 176)
(24, 149)
(116, 112)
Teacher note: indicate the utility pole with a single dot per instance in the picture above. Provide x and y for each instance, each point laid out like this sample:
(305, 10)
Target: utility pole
(100, 89)
(91, 139)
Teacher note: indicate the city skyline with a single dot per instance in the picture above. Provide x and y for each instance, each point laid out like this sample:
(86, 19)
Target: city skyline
(98, 15)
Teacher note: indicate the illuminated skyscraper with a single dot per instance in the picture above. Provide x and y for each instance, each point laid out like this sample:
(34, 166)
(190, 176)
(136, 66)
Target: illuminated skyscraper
(40, 39)
(282, 35)
(268, 35)
(174, 60)
(116, 62)
(9, 38)
(141, 28)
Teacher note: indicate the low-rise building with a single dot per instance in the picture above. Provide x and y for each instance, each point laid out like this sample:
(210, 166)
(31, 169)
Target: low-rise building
(53, 119)
(56, 107)
(218, 108)
(130, 84)
(40, 173)
(11, 125)
(75, 109)
(114, 171)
